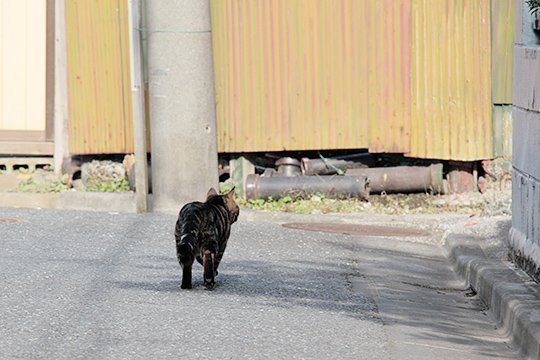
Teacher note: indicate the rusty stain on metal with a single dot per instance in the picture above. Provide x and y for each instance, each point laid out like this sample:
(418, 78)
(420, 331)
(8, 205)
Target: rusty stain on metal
(100, 119)
(359, 229)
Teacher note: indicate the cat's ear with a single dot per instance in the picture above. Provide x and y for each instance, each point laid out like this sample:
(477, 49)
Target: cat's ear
(211, 192)
(230, 194)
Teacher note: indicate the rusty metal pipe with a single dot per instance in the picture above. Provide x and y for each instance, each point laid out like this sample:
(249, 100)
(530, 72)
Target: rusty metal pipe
(258, 187)
(403, 179)
(329, 166)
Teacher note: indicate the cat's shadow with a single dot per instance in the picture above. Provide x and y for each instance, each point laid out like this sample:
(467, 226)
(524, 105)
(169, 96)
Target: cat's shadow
(172, 285)
(245, 278)
(225, 282)
(291, 283)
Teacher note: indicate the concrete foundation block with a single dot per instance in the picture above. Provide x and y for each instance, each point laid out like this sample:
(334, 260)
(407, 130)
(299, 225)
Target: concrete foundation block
(10, 164)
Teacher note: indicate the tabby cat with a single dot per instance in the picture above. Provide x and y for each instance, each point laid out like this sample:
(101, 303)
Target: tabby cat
(202, 231)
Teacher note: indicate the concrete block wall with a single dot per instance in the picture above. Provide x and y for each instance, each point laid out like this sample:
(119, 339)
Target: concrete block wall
(525, 231)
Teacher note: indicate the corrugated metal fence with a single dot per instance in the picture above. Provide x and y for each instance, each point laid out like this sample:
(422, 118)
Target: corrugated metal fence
(401, 76)
(410, 76)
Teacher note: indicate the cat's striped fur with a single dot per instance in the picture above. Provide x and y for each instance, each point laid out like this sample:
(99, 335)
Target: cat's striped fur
(201, 233)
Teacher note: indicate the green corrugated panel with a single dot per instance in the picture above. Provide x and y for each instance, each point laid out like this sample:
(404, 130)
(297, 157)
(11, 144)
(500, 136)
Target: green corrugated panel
(502, 131)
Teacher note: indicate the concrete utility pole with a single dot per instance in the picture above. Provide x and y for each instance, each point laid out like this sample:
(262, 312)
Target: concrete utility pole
(137, 93)
(182, 107)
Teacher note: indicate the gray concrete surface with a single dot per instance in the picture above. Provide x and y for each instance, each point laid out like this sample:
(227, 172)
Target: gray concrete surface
(182, 106)
(106, 285)
(512, 297)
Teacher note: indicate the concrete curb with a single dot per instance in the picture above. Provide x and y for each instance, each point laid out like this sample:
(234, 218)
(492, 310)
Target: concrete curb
(72, 200)
(512, 297)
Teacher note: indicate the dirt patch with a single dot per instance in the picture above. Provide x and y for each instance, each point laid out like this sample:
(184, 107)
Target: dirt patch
(11, 221)
(488, 204)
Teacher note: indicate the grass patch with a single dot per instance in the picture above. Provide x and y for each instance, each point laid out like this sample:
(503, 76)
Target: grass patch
(52, 185)
(316, 204)
(118, 185)
(392, 204)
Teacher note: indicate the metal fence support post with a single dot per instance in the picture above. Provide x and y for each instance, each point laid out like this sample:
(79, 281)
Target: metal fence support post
(61, 150)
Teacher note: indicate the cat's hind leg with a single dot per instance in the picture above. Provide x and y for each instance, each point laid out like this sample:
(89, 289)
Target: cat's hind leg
(217, 260)
(186, 277)
(208, 268)
(185, 258)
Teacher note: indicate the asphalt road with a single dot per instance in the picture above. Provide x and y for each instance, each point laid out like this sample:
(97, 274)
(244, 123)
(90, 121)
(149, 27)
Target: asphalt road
(107, 286)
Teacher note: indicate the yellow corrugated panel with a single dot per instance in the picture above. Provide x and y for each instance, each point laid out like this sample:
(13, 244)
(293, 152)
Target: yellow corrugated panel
(502, 47)
(100, 119)
(312, 74)
(389, 81)
(451, 83)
